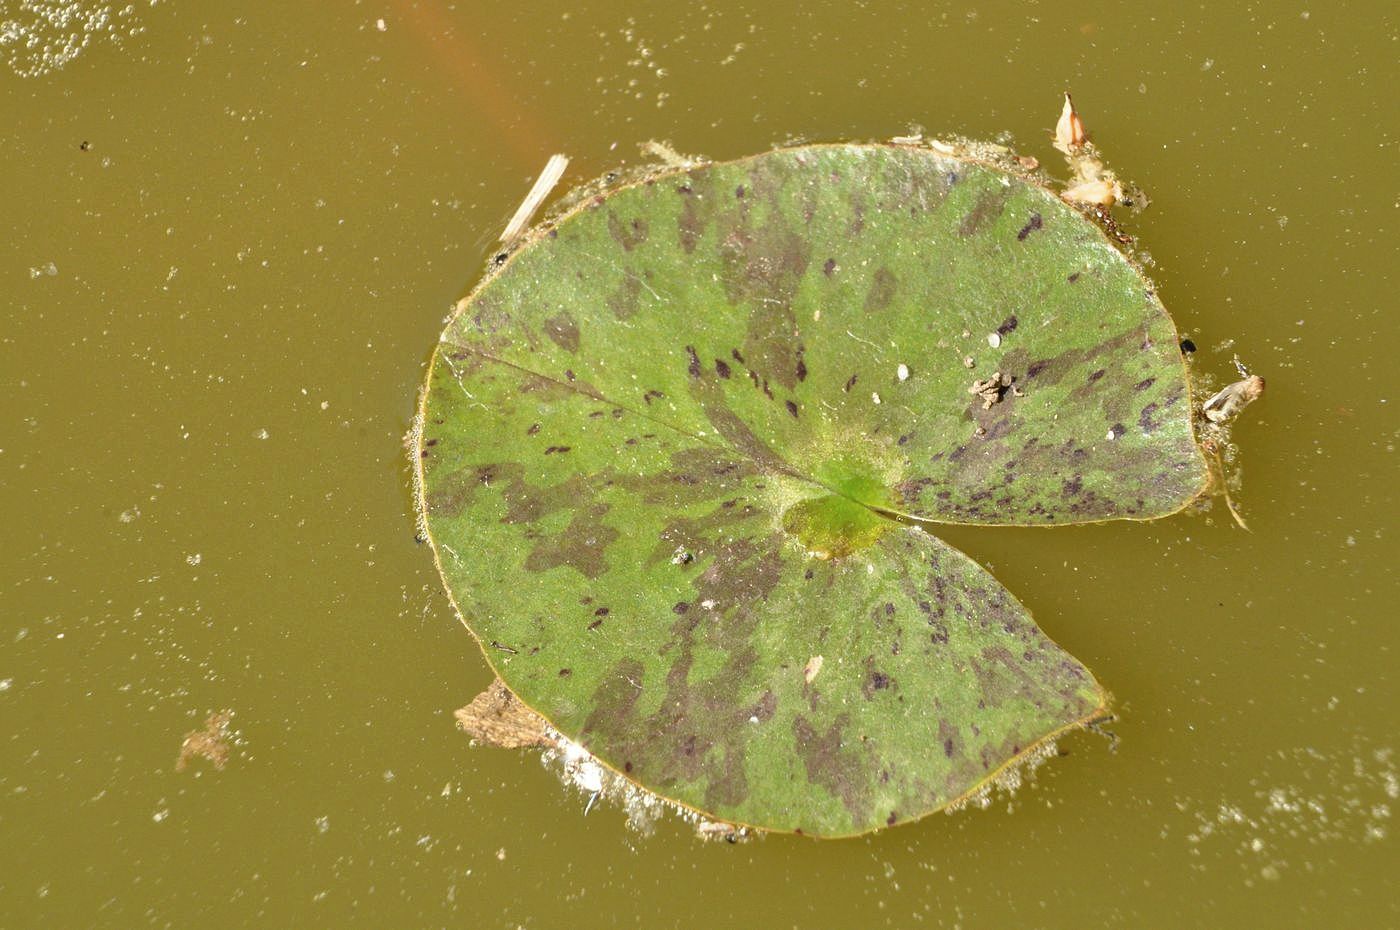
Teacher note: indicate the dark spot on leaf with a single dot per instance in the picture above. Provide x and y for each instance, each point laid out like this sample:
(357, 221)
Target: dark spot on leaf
(1073, 278)
(1096, 375)
(565, 672)
(801, 365)
(553, 449)
(739, 192)
(595, 624)
(791, 407)
(1031, 226)
(990, 204)
(882, 290)
(829, 267)
(680, 607)
(721, 368)
(850, 383)
(601, 612)
(625, 301)
(1007, 325)
(694, 366)
(1145, 418)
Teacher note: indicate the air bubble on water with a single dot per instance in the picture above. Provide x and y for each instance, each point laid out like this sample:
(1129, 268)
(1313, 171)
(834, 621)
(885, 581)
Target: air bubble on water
(323, 824)
(578, 769)
(1009, 780)
(38, 37)
(6, 684)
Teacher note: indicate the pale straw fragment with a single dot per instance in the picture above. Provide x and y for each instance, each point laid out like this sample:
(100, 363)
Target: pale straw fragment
(553, 171)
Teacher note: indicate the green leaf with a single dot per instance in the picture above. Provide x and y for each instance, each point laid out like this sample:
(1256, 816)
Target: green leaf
(690, 437)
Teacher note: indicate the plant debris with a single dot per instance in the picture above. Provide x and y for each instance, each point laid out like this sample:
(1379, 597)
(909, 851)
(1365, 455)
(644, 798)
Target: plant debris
(1092, 184)
(496, 717)
(211, 743)
(553, 171)
(1226, 403)
(993, 389)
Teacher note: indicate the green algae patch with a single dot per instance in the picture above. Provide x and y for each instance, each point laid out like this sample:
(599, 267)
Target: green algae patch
(832, 526)
(628, 468)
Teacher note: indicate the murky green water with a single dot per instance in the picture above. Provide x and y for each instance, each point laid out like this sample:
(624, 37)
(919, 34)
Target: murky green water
(231, 235)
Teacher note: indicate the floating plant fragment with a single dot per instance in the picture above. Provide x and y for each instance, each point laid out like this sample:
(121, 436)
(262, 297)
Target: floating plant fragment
(680, 457)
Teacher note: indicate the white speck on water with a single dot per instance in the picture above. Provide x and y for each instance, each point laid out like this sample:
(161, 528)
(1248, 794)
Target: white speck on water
(6, 684)
(388, 775)
(262, 434)
(323, 823)
(381, 25)
(160, 815)
(902, 372)
(194, 558)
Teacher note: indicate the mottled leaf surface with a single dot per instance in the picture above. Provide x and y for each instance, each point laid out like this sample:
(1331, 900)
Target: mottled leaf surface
(663, 447)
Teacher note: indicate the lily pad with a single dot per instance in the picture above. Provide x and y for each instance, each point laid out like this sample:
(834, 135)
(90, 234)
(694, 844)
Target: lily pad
(693, 435)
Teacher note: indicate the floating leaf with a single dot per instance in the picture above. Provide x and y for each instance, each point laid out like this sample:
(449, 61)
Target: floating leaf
(678, 455)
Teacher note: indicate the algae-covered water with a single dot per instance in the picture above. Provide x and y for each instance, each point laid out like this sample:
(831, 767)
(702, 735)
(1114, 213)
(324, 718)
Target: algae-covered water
(231, 235)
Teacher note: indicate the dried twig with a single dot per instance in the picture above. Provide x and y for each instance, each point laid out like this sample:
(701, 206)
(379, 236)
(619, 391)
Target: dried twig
(553, 171)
